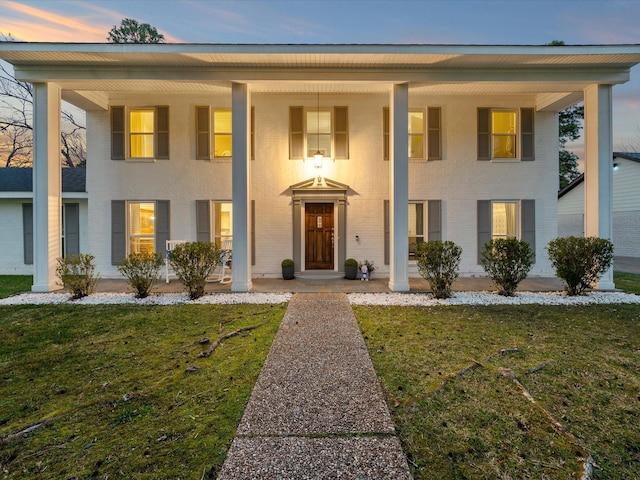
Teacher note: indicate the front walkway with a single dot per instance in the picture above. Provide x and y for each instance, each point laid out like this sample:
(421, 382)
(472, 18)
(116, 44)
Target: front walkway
(317, 410)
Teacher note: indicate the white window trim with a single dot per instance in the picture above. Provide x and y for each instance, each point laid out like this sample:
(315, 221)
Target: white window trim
(425, 209)
(518, 217)
(518, 157)
(127, 219)
(306, 111)
(127, 139)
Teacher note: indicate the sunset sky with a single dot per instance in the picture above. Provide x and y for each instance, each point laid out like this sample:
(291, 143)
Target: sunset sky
(513, 22)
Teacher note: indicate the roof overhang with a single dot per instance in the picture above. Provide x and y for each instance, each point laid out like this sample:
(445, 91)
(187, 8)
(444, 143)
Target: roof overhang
(556, 75)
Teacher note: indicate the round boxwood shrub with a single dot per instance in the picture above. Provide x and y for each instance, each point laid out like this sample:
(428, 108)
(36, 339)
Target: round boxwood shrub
(193, 263)
(142, 271)
(507, 261)
(580, 261)
(438, 263)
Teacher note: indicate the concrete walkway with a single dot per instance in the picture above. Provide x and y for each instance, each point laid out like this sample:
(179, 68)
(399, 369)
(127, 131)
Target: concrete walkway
(317, 410)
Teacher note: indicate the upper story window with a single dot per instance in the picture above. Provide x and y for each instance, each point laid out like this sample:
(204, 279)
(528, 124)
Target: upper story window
(143, 133)
(326, 130)
(215, 128)
(505, 134)
(418, 131)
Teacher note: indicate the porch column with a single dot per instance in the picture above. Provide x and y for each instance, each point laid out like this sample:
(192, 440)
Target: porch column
(47, 187)
(598, 172)
(399, 189)
(240, 188)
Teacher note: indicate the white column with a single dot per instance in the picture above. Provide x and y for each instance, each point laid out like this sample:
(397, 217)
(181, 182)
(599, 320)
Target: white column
(399, 188)
(240, 189)
(47, 187)
(598, 172)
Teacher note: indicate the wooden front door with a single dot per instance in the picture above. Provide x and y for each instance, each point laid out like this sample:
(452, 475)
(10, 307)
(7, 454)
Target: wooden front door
(319, 236)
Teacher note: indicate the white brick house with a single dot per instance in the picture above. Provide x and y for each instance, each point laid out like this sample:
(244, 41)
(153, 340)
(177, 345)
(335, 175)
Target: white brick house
(419, 142)
(626, 205)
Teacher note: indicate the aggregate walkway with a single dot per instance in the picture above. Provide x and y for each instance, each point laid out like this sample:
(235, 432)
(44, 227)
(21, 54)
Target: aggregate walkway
(317, 410)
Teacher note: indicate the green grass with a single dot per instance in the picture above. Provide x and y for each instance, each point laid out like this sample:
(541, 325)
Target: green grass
(580, 364)
(627, 282)
(112, 387)
(14, 284)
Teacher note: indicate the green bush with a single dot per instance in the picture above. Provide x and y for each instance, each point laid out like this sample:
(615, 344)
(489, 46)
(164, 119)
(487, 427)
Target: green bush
(193, 262)
(142, 271)
(77, 273)
(580, 261)
(350, 262)
(507, 261)
(438, 263)
(287, 262)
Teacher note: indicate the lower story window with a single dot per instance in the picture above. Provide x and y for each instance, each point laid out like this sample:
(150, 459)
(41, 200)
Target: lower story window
(504, 220)
(223, 215)
(416, 227)
(141, 227)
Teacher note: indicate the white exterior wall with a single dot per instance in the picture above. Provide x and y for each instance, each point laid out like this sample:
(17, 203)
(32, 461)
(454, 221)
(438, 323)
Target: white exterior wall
(459, 180)
(11, 234)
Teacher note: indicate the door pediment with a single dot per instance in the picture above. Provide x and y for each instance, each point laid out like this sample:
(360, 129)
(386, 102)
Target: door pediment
(319, 188)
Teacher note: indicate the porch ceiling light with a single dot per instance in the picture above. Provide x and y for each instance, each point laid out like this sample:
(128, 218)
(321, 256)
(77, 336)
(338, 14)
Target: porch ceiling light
(317, 157)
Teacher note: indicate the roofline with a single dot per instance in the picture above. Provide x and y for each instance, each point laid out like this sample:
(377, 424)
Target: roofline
(627, 156)
(579, 179)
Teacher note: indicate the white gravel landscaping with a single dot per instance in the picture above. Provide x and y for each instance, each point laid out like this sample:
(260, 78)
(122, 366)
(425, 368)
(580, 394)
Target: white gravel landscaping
(391, 298)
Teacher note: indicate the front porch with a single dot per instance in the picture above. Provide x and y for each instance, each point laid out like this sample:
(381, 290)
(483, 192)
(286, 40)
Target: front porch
(339, 285)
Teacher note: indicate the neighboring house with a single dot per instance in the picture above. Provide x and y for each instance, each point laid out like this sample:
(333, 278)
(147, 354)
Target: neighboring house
(626, 205)
(16, 217)
(415, 142)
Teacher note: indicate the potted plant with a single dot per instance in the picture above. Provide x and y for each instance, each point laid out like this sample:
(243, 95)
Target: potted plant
(350, 269)
(287, 269)
(370, 267)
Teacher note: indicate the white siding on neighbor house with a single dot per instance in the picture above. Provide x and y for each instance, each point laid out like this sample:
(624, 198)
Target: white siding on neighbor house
(626, 209)
(11, 234)
(459, 179)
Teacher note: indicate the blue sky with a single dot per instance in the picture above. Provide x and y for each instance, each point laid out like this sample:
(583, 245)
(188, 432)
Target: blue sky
(512, 22)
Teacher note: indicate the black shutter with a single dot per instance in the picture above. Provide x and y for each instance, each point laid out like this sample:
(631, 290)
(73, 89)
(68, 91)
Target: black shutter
(117, 133)
(118, 232)
(71, 229)
(203, 220)
(484, 134)
(434, 220)
(296, 133)
(162, 226)
(203, 134)
(526, 130)
(27, 232)
(434, 133)
(162, 133)
(528, 223)
(483, 225)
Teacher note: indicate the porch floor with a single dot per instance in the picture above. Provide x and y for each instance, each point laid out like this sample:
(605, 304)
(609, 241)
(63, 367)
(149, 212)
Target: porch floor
(340, 285)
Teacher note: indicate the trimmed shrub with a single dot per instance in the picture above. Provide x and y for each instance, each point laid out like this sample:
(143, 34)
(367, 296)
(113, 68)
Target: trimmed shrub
(193, 262)
(77, 273)
(287, 262)
(350, 262)
(580, 261)
(507, 261)
(438, 263)
(142, 271)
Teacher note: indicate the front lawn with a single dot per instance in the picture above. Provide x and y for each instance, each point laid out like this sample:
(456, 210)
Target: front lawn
(121, 392)
(14, 284)
(627, 282)
(456, 380)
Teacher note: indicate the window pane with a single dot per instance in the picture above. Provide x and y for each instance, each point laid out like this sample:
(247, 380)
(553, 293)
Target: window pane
(222, 121)
(141, 121)
(416, 135)
(416, 122)
(141, 227)
(504, 221)
(222, 145)
(318, 133)
(416, 146)
(416, 227)
(141, 125)
(142, 145)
